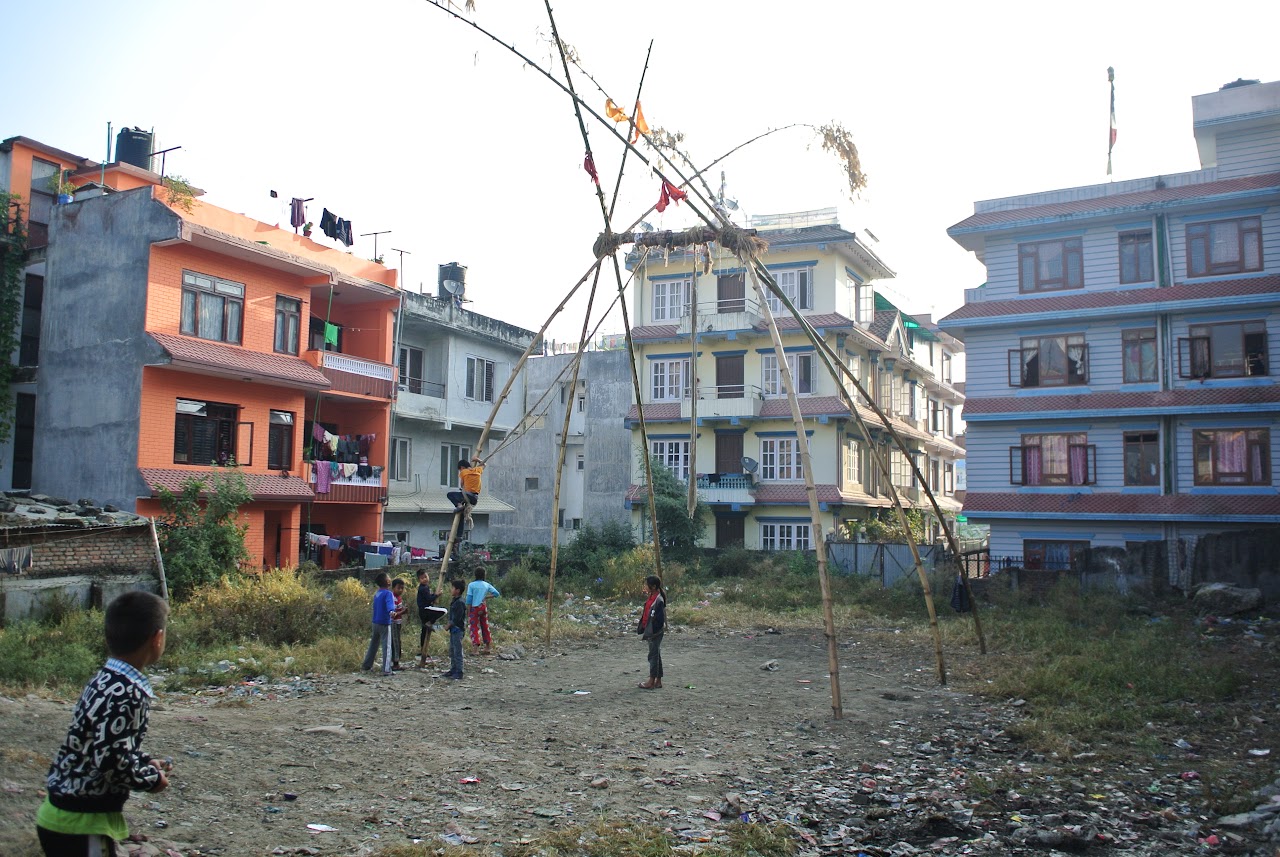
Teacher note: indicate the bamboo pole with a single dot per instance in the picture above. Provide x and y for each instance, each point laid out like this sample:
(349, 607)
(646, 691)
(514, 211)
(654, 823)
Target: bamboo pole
(564, 441)
(448, 551)
(811, 492)
(693, 393)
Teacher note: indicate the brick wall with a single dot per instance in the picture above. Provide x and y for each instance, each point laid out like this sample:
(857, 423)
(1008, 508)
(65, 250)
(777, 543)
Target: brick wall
(58, 552)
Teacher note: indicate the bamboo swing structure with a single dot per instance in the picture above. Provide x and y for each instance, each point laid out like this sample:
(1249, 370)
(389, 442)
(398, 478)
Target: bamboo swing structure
(747, 247)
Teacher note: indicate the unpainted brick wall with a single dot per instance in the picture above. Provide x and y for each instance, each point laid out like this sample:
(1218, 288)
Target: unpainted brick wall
(60, 551)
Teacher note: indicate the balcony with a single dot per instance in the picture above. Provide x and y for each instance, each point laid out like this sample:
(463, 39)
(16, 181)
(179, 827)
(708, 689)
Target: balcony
(725, 401)
(348, 489)
(726, 487)
(725, 316)
(356, 375)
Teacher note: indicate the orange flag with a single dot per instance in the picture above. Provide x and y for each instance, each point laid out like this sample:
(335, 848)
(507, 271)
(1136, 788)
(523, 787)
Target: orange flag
(642, 127)
(617, 114)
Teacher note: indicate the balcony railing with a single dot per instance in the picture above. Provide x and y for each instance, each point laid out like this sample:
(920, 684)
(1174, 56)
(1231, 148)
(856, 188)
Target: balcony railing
(348, 489)
(725, 401)
(421, 387)
(719, 316)
(350, 374)
(729, 481)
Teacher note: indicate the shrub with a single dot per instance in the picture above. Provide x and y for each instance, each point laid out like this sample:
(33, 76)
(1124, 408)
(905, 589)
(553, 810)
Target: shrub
(52, 654)
(522, 581)
(200, 536)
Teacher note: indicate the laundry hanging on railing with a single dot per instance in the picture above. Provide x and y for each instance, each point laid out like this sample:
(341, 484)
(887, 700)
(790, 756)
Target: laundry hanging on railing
(344, 448)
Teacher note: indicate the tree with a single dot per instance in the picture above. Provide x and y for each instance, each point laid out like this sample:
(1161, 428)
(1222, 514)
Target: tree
(200, 537)
(680, 533)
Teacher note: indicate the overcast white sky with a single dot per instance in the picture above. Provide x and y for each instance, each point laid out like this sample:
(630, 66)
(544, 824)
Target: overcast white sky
(396, 116)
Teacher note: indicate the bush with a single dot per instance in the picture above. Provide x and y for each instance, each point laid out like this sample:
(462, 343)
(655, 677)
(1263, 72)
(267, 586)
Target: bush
(64, 653)
(522, 581)
(200, 536)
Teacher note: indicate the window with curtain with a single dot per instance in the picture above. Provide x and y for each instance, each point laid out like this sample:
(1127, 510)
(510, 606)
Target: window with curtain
(1136, 259)
(1048, 266)
(1141, 458)
(1139, 355)
(670, 379)
(797, 285)
(1232, 456)
(288, 324)
(780, 459)
(673, 454)
(671, 299)
(1224, 247)
(1049, 361)
(1231, 350)
(1053, 459)
(212, 308)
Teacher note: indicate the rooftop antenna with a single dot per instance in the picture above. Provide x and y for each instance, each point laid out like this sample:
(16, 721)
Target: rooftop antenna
(723, 203)
(400, 278)
(375, 235)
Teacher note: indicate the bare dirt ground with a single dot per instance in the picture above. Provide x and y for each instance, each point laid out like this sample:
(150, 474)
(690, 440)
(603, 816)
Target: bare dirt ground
(523, 746)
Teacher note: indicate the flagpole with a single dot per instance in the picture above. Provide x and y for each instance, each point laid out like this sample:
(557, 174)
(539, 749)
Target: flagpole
(1111, 140)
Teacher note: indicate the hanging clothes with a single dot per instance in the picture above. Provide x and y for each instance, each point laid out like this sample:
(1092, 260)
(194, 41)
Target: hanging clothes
(15, 560)
(329, 224)
(344, 233)
(589, 165)
(670, 193)
(322, 476)
(297, 212)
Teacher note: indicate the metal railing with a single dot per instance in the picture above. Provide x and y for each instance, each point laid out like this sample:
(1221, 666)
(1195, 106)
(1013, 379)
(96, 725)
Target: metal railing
(733, 481)
(358, 366)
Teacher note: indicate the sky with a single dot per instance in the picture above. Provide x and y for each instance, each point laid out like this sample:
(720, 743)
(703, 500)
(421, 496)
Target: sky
(397, 116)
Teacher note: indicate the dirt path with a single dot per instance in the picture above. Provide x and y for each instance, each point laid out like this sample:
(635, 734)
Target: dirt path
(515, 750)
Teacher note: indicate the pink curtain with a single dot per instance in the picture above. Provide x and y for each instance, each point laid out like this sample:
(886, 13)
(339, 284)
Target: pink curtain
(1031, 465)
(1255, 465)
(1078, 464)
(1231, 451)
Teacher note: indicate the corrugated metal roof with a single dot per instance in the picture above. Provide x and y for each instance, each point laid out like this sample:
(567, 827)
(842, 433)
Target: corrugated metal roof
(1117, 203)
(440, 504)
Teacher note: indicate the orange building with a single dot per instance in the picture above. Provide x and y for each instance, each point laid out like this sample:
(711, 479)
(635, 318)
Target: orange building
(173, 340)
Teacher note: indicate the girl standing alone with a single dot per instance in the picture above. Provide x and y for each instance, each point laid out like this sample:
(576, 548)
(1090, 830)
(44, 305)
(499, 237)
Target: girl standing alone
(653, 621)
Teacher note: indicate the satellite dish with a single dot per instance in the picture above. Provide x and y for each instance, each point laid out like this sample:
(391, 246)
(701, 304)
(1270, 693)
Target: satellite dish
(453, 287)
(750, 465)
(646, 226)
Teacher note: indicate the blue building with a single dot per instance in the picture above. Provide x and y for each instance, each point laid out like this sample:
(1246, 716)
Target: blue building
(1123, 353)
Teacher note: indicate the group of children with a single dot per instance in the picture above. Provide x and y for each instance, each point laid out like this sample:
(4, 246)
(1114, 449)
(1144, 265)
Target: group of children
(467, 608)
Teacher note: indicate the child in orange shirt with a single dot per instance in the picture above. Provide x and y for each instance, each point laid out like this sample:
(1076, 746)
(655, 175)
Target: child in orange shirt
(469, 479)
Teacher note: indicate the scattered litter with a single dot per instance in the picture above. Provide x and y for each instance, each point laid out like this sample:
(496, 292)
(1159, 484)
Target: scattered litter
(1182, 744)
(466, 780)
(1259, 752)
(804, 681)
(332, 729)
(511, 787)
(582, 693)
(322, 828)
(769, 665)
(545, 812)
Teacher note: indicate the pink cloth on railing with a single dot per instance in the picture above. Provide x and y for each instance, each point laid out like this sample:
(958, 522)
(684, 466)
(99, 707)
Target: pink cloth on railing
(323, 470)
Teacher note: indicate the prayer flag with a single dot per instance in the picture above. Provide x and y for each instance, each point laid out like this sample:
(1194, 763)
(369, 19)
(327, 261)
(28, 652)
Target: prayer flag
(1111, 143)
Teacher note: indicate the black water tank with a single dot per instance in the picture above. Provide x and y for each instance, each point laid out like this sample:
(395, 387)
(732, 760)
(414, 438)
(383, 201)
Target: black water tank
(133, 146)
(452, 273)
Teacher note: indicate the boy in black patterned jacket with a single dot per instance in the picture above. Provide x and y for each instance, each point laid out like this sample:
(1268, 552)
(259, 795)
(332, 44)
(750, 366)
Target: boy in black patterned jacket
(101, 759)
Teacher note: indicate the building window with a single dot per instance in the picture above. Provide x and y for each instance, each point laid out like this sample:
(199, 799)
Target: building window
(1053, 459)
(1224, 247)
(946, 368)
(884, 396)
(949, 478)
(670, 380)
(450, 455)
(1136, 265)
(531, 483)
(1141, 458)
(1051, 556)
(32, 306)
(797, 285)
(865, 303)
(479, 379)
(935, 475)
(780, 459)
(670, 299)
(400, 450)
(785, 537)
(1049, 361)
(673, 455)
(205, 433)
(40, 202)
(24, 439)
(1139, 347)
(212, 308)
(1232, 456)
(799, 365)
(288, 324)
(1233, 350)
(1050, 266)
(582, 463)
(582, 404)
(411, 363)
(280, 441)
(935, 416)
(949, 421)
(852, 463)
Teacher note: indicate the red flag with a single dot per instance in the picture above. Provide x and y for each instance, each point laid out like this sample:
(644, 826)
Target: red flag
(669, 193)
(590, 166)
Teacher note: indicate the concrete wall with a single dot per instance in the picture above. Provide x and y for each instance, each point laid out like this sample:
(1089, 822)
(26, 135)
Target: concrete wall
(606, 444)
(93, 346)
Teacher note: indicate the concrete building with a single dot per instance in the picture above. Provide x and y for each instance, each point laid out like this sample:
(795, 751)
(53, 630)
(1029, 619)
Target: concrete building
(598, 457)
(453, 363)
(176, 335)
(743, 417)
(1122, 353)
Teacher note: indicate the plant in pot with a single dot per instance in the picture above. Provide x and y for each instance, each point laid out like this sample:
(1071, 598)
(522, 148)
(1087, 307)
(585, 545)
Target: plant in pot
(306, 229)
(60, 186)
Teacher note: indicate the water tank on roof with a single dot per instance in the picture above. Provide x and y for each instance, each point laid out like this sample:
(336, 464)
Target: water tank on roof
(133, 146)
(453, 281)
